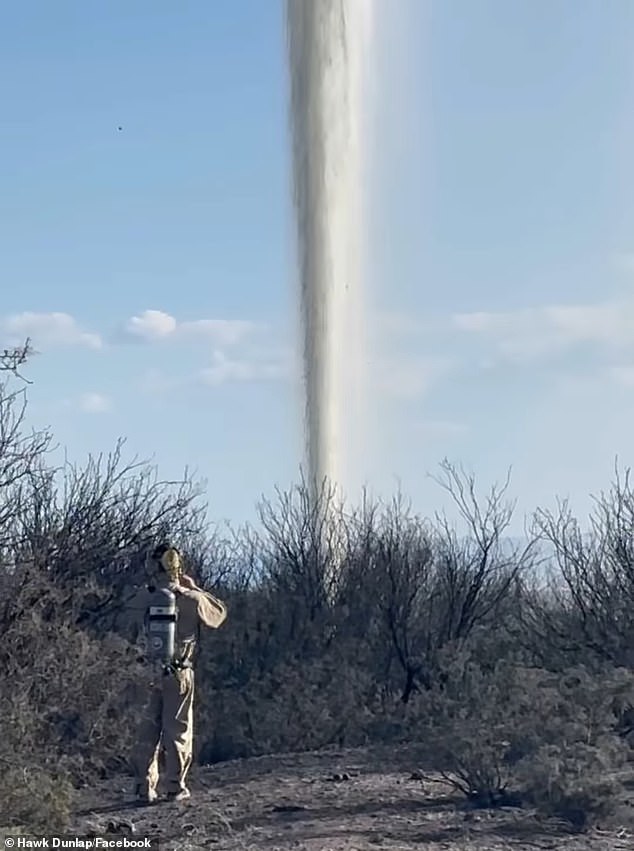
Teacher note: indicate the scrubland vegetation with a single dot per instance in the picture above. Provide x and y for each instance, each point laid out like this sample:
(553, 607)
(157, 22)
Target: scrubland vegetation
(511, 664)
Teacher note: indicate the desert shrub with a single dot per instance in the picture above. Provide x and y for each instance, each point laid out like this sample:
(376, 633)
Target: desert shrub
(33, 796)
(34, 788)
(574, 781)
(66, 719)
(77, 687)
(585, 613)
(507, 734)
(573, 774)
(295, 707)
(477, 724)
(346, 626)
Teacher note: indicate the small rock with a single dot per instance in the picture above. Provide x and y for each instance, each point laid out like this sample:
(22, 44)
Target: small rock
(93, 829)
(121, 826)
(288, 808)
(339, 777)
(417, 775)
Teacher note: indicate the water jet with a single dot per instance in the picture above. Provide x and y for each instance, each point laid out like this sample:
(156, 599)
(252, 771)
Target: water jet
(326, 53)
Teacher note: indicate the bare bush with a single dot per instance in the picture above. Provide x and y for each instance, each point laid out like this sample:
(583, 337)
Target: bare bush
(575, 783)
(303, 544)
(435, 588)
(587, 611)
(347, 626)
(15, 357)
(74, 546)
(509, 735)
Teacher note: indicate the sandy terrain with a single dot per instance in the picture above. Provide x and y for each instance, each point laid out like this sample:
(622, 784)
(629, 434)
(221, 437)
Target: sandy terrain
(331, 801)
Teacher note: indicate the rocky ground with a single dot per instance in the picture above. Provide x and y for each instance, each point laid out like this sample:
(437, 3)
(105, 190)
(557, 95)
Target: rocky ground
(332, 801)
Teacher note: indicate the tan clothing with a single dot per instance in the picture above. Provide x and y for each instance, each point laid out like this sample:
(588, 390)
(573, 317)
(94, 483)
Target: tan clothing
(168, 721)
(168, 718)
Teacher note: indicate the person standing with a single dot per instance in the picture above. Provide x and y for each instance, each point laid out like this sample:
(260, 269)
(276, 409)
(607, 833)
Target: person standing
(169, 717)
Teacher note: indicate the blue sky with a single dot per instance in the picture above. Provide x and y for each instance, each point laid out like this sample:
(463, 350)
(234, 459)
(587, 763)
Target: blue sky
(152, 265)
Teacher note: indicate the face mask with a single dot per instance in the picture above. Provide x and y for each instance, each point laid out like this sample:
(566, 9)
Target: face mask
(171, 563)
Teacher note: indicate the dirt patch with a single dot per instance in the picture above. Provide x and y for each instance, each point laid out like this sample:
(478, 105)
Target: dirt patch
(331, 801)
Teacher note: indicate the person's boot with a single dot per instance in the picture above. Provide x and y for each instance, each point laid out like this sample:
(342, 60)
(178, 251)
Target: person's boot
(145, 796)
(179, 795)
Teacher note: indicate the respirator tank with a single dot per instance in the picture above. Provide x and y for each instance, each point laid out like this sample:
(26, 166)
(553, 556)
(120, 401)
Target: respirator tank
(161, 625)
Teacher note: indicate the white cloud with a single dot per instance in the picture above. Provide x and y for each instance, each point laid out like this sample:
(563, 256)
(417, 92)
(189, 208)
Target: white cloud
(95, 403)
(224, 332)
(156, 325)
(537, 332)
(151, 325)
(155, 382)
(224, 369)
(623, 375)
(410, 377)
(47, 330)
(398, 324)
(438, 429)
(624, 261)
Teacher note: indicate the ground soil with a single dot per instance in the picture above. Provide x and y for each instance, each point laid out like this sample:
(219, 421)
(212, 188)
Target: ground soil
(332, 801)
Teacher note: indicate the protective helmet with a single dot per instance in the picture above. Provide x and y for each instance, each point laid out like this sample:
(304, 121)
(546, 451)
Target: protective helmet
(169, 560)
